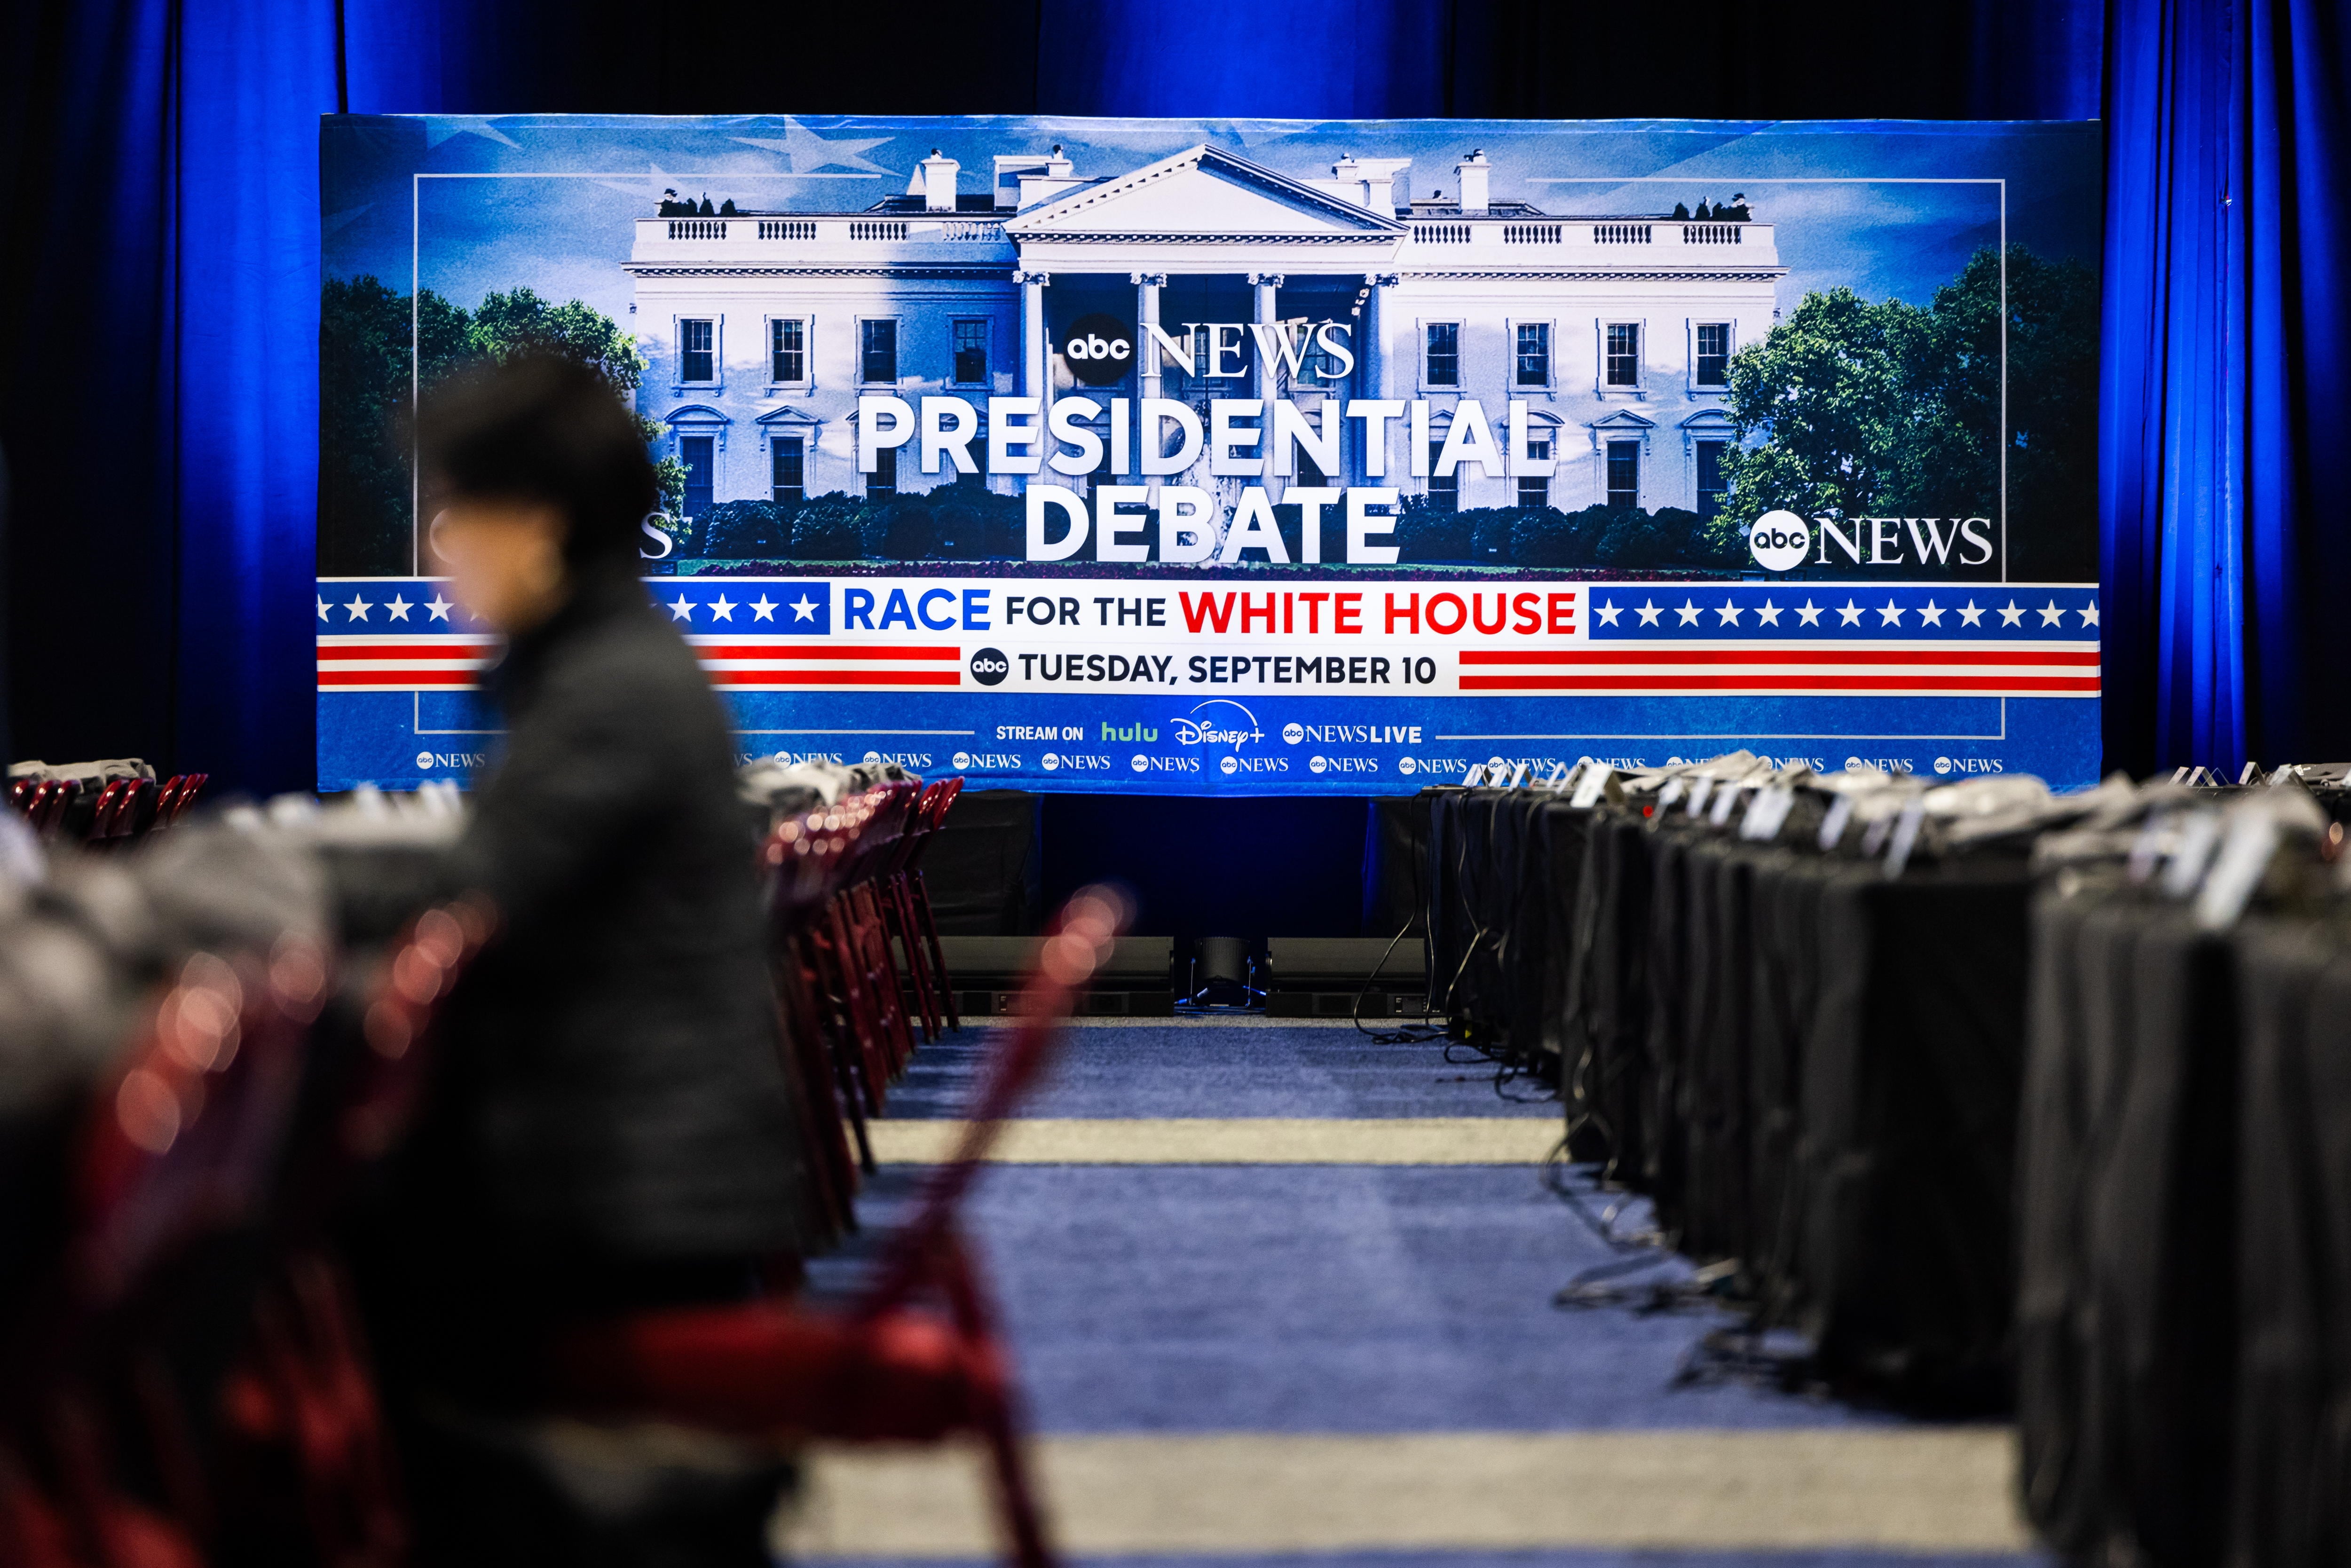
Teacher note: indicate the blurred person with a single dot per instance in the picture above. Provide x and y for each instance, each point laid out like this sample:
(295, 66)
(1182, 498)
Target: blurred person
(610, 1128)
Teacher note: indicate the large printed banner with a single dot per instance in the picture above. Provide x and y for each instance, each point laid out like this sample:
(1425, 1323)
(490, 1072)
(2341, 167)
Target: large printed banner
(1255, 457)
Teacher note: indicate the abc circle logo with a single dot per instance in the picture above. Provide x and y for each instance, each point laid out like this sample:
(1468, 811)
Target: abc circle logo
(1293, 733)
(1942, 765)
(1142, 763)
(962, 759)
(1051, 762)
(988, 667)
(1230, 765)
(1779, 540)
(1319, 766)
(1100, 350)
(424, 760)
(1406, 764)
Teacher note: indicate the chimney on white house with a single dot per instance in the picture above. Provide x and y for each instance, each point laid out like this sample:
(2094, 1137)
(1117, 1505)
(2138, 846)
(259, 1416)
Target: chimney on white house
(1471, 173)
(939, 182)
(1370, 182)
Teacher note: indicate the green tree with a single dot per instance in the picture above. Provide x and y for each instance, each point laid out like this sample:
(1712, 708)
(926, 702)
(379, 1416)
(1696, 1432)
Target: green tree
(1826, 391)
(367, 373)
(523, 323)
(362, 383)
(1853, 409)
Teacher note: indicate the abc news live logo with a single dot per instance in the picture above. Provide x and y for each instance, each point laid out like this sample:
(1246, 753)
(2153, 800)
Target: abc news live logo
(1781, 540)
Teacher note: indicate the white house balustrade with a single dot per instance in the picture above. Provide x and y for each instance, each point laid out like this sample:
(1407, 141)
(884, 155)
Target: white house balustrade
(785, 316)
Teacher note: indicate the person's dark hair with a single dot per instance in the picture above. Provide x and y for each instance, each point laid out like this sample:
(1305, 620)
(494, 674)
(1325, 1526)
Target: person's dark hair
(539, 428)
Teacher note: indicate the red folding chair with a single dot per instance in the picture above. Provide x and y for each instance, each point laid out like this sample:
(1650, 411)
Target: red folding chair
(300, 1404)
(917, 1357)
(177, 1159)
(919, 895)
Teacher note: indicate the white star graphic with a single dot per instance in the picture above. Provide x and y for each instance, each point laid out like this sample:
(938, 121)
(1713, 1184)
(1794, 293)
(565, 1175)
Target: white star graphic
(440, 608)
(807, 151)
(1931, 615)
(1730, 612)
(2090, 615)
(681, 608)
(2053, 615)
(1969, 614)
(1889, 616)
(1810, 614)
(322, 609)
(358, 607)
(1688, 612)
(439, 128)
(1649, 613)
(803, 608)
(763, 608)
(400, 608)
(1608, 613)
(1852, 613)
(1768, 614)
(2012, 616)
(721, 610)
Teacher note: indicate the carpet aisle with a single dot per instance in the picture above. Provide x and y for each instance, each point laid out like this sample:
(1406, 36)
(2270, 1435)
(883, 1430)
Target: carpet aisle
(1281, 1294)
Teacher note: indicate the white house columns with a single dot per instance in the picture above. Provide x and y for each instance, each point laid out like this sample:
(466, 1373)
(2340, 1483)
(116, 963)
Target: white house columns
(1036, 352)
(1265, 287)
(1147, 285)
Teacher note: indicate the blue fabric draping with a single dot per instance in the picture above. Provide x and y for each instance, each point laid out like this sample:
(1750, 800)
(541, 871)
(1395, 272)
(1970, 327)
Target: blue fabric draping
(2222, 388)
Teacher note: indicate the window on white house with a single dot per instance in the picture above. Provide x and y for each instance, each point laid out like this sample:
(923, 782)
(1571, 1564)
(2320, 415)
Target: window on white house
(1534, 354)
(695, 453)
(971, 353)
(877, 344)
(1444, 489)
(883, 483)
(1623, 368)
(1713, 368)
(1624, 474)
(1534, 489)
(697, 360)
(788, 351)
(787, 469)
(1443, 368)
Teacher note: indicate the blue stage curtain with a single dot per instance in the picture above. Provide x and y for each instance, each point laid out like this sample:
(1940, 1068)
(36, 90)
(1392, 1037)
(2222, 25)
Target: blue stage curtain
(2222, 395)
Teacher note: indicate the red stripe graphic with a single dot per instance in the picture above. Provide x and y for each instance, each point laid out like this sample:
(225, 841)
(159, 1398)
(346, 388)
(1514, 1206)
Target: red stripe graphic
(439, 648)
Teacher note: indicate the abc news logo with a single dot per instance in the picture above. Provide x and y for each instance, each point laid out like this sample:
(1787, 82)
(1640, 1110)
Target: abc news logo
(1779, 540)
(1098, 349)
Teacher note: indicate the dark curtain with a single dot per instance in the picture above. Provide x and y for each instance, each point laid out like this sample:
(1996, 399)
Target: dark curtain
(158, 274)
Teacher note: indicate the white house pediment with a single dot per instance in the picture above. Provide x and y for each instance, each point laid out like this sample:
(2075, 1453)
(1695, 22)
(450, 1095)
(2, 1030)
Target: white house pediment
(1626, 421)
(695, 415)
(788, 416)
(1708, 422)
(1203, 192)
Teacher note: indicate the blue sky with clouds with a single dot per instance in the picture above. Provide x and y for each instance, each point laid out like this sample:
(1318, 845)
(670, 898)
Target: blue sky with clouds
(1886, 207)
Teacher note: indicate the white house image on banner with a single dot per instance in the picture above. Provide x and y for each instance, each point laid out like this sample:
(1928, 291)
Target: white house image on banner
(763, 328)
